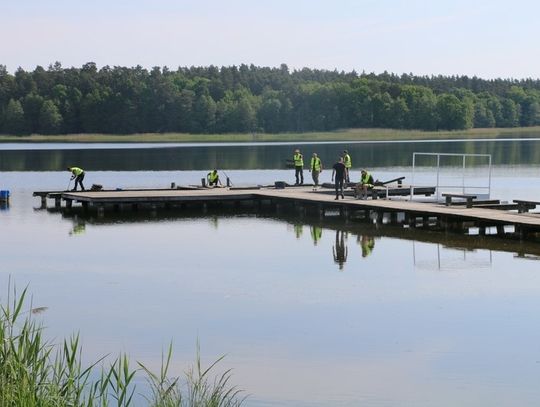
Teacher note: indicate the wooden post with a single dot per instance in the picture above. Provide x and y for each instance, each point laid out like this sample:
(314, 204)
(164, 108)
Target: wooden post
(85, 206)
(173, 185)
(57, 202)
(43, 201)
(228, 182)
(500, 230)
(69, 203)
(100, 211)
(203, 182)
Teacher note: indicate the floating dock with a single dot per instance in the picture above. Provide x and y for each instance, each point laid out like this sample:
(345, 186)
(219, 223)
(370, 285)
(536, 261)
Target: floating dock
(487, 218)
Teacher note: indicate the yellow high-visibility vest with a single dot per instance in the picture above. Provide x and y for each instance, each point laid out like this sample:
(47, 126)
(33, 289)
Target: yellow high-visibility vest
(76, 171)
(298, 160)
(315, 164)
(347, 161)
(213, 176)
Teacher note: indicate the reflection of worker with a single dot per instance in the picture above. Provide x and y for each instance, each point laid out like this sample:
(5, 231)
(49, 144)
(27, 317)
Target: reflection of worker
(298, 230)
(367, 243)
(366, 182)
(340, 249)
(316, 234)
(298, 159)
(77, 174)
(78, 229)
(213, 178)
(348, 164)
(315, 168)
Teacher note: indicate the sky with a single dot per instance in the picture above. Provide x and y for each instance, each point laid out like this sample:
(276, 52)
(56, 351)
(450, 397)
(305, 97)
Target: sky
(488, 39)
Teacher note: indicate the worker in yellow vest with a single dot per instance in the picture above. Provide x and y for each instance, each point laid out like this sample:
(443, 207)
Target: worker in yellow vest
(77, 174)
(298, 159)
(315, 168)
(213, 178)
(366, 182)
(348, 164)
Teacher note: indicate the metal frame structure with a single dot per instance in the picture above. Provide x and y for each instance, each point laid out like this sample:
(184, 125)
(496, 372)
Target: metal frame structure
(463, 186)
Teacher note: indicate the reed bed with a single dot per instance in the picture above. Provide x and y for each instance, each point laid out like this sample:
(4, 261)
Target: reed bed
(37, 372)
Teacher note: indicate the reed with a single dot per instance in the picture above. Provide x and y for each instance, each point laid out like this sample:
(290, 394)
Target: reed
(37, 372)
(336, 135)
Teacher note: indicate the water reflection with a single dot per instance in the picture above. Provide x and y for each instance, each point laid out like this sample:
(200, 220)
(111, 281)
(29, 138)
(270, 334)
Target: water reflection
(79, 228)
(459, 250)
(273, 156)
(316, 234)
(340, 250)
(298, 230)
(367, 243)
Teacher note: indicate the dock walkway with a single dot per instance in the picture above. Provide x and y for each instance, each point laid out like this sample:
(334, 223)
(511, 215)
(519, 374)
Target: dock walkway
(304, 199)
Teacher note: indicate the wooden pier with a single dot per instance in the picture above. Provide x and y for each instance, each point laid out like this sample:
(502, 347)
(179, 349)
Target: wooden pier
(487, 219)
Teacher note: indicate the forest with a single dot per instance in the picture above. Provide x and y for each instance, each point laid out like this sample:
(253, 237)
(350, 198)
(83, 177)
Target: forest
(250, 99)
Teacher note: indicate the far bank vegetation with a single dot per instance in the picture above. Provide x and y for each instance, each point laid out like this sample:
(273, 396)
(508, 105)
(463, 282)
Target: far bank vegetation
(249, 99)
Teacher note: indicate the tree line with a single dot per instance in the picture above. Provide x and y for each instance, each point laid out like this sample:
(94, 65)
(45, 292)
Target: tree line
(121, 100)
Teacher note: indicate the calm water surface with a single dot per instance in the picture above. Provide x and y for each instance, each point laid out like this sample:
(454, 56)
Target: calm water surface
(308, 313)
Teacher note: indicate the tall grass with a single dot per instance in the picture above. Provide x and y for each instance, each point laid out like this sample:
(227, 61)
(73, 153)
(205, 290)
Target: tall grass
(335, 135)
(37, 372)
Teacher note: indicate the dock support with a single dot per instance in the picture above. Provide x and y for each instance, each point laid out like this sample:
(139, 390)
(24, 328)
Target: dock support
(173, 185)
(500, 230)
(57, 202)
(100, 211)
(43, 201)
(203, 182)
(69, 203)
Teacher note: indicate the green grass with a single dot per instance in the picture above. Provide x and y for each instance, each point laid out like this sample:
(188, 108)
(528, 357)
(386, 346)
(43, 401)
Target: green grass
(36, 372)
(338, 135)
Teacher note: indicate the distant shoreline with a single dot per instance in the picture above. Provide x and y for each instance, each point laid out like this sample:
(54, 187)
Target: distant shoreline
(338, 135)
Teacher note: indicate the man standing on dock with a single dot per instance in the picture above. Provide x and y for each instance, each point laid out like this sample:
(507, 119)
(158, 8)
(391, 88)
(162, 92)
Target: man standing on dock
(298, 159)
(315, 168)
(339, 173)
(348, 164)
(78, 176)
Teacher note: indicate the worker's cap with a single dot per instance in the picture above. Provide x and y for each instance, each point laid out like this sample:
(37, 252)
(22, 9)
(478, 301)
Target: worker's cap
(315, 154)
(345, 151)
(297, 151)
(363, 170)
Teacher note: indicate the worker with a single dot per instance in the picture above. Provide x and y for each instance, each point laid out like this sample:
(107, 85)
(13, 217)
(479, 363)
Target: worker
(298, 159)
(213, 178)
(348, 164)
(339, 173)
(315, 168)
(77, 174)
(366, 182)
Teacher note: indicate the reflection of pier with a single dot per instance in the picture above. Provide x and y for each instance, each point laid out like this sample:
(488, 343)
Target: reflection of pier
(409, 214)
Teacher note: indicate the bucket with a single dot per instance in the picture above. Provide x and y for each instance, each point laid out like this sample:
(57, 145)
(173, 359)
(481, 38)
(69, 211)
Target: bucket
(4, 195)
(280, 184)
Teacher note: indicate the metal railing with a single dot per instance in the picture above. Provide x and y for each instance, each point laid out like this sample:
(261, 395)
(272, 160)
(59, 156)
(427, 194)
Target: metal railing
(463, 186)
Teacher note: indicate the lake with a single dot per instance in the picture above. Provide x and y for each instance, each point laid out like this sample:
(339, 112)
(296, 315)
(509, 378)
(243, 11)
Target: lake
(308, 312)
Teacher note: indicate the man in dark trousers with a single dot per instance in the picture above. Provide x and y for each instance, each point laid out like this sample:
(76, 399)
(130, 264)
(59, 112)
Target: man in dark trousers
(298, 159)
(78, 175)
(339, 173)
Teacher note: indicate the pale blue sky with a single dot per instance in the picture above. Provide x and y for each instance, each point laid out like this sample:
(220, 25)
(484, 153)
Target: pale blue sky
(484, 38)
